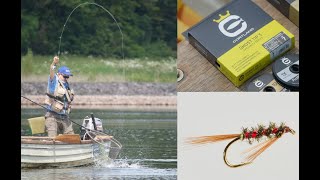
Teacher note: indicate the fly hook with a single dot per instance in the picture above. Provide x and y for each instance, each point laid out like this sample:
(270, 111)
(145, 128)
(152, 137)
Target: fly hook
(225, 156)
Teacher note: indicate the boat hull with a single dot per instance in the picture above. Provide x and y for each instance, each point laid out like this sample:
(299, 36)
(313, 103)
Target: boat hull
(48, 153)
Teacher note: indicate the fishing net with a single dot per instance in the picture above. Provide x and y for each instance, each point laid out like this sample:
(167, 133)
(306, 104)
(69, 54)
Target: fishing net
(105, 148)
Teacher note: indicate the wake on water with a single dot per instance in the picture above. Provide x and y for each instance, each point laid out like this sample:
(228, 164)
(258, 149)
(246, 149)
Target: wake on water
(102, 154)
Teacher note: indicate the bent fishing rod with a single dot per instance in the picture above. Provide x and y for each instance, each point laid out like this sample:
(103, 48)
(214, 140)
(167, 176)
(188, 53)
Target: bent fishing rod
(116, 141)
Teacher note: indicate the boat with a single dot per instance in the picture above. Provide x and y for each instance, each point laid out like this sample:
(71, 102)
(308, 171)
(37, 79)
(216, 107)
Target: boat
(65, 151)
(68, 150)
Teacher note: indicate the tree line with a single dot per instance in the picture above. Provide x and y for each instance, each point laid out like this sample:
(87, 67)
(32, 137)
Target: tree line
(148, 27)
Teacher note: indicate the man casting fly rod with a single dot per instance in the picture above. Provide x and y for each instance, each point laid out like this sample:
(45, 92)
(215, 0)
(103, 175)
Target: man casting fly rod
(58, 100)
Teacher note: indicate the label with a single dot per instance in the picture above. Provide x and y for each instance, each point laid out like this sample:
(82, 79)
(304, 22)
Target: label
(251, 55)
(286, 75)
(275, 85)
(277, 45)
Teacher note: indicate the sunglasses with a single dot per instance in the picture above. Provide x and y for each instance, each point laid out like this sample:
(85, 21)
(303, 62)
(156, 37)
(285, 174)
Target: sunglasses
(66, 77)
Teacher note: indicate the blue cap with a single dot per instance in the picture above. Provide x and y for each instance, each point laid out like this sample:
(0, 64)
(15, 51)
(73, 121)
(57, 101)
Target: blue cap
(65, 71)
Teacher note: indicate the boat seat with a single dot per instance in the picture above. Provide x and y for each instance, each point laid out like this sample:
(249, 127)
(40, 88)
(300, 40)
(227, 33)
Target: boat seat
(69, 138)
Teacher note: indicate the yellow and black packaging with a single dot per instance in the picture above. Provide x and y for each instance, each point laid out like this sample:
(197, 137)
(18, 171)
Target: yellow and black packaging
(240, 39)
(289, 8)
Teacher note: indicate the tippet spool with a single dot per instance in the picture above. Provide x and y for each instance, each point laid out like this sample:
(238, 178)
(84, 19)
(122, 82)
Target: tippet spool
(264, 83)
(286, 71)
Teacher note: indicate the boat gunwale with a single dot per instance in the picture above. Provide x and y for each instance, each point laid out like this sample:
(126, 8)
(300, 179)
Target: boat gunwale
(51, 140)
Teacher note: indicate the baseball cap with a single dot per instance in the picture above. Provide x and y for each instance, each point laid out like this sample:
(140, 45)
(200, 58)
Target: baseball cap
(65, 71)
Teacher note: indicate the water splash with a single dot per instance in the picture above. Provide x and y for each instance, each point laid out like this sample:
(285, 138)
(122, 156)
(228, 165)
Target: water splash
(134, 163)
(104, 161)
(124, 163)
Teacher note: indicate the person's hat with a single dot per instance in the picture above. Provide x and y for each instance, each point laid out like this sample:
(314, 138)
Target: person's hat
(65, 71)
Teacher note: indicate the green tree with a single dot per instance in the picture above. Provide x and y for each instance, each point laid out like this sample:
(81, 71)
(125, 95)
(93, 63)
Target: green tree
(148, 27)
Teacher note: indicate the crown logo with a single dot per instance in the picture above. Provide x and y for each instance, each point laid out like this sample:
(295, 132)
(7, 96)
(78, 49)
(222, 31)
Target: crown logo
(222, 17)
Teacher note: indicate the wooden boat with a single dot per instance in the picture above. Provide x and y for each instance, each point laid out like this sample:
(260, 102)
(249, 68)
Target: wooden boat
(64, 151)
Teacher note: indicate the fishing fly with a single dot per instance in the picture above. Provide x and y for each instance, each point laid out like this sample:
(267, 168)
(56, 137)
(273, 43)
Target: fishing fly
(272, 133)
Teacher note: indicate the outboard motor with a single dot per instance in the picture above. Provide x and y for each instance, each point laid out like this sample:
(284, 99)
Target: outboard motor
(89, 125)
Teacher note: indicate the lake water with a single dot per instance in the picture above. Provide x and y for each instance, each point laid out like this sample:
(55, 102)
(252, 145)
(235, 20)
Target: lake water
(148, 136)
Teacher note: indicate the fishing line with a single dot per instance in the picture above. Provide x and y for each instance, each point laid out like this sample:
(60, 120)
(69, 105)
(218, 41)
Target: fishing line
(122, 45)
(85, 3)
(92, 3)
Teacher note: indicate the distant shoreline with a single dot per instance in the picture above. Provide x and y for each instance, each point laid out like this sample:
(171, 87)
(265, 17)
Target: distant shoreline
(105, 95)
(106, 88)
(111, 101)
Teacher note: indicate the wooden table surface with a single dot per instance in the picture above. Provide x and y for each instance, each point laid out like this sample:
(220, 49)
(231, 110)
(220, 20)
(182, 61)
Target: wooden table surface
(199, 75)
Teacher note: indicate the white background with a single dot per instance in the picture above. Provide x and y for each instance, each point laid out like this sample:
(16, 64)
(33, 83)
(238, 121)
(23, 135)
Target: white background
(202, 114)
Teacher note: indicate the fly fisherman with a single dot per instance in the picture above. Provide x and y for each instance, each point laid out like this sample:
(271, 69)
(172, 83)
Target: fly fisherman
(58, 99)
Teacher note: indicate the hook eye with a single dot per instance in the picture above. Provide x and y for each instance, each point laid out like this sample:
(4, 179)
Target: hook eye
(292, 131)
